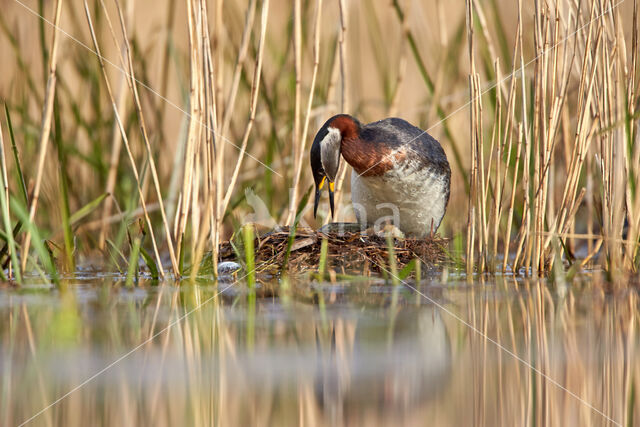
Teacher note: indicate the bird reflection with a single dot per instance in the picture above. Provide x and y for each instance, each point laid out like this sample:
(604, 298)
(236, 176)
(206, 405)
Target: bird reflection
(395, 362)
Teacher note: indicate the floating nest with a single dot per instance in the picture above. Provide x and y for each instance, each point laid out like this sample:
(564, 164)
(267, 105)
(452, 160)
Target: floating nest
(348, 252)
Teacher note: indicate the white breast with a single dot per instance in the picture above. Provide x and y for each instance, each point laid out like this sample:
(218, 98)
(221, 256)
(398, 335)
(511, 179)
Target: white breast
(413, 202)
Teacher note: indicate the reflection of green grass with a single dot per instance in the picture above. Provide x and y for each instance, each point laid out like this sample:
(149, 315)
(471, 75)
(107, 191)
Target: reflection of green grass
(65, 328)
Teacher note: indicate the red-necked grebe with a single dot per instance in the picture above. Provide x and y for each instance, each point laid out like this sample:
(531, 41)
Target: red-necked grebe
(399, 171)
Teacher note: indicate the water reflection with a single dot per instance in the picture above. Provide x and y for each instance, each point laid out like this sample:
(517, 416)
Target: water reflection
(506, 352)
(397, 361)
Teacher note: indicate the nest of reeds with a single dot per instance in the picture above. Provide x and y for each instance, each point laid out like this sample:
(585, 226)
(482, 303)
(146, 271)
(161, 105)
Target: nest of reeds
(348, 252)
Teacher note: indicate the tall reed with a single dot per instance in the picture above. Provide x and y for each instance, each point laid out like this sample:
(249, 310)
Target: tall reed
(553, 159)
(579, 68)
(45, 129)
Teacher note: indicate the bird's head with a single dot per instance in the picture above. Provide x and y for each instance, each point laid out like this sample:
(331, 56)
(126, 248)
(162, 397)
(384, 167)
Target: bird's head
(325, 154)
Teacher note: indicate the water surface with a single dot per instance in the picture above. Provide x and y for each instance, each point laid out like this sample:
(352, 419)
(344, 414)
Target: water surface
(503, 352)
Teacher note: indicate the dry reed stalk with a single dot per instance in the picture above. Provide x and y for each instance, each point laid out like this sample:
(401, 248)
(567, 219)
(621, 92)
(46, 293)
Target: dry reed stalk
(229, 104)
(296, 143)
(344, 95)
(473, 127)
(508, 136)
(482, 20)
(225, 112)
(307, 117)
(211, 115)
(584, 133)
(140, 193)
(600, 104)
(494, 217)
(524, 227)
(6, 214)
(116, 139)
(203, 87)
(114, 160)
(546, 132)
(128, 65)
(540, 76)
(124, 138)
(202, 238)
(218, 60)
(314, 73)
(189, 184)
(255, 88)
(45, 129)
(614, 110)
(481, 194)
(507, 234)
(195, 192)
(554, 125)
(218, 155)
(480, 174)
(633, 200)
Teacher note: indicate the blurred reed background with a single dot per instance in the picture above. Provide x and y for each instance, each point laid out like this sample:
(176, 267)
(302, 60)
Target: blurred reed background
(199, 117)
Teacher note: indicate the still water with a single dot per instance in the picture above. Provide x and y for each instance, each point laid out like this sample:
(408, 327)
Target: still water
(444, 352)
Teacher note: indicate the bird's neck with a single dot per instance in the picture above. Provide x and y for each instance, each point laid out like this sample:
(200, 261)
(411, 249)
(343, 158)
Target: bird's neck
(367, 158)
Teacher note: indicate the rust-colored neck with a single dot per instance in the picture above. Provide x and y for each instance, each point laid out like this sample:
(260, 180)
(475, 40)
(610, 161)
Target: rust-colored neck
(368, 158)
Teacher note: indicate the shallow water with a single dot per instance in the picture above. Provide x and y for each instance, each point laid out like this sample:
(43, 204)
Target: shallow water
(504, 352)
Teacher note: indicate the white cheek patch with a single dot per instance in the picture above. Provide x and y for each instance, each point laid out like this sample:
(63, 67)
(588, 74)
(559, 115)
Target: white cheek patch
(330, 152)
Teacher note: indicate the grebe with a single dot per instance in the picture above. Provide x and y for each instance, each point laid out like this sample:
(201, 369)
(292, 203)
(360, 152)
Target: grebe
(400, 172)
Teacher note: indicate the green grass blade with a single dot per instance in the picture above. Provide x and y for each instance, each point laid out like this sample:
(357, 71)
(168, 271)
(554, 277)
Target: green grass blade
(181, 259)
(16, 157)
(408, 269)
(6, 220)
(132, 272)
(115, 249)
(64, 190)
(148, 260)
(37, 241)
(44, 51)
(87, 209)
(393, 265)
(5, 248)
